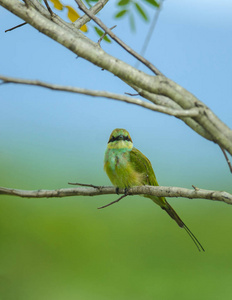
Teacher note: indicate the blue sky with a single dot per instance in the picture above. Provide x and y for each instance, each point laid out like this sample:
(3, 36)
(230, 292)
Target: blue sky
(191, 44)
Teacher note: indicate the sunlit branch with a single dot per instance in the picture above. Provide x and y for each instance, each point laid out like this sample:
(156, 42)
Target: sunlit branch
(160, 191)
(173, 112)
(116, 39)
(227, 159)
(94, 10)
(104, 34)
(206, 123)
(48, 7)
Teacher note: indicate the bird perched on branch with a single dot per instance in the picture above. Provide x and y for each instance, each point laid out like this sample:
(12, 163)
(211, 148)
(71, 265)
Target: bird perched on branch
(126, 167)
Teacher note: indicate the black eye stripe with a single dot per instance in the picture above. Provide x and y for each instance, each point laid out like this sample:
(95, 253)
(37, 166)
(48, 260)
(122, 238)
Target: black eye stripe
(119, 138)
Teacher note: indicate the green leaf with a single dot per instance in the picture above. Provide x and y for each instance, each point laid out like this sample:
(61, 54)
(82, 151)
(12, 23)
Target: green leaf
(106, 39)
(123, 2)
(141, 11)
(153, 2)
(121, 13)
(100, 33)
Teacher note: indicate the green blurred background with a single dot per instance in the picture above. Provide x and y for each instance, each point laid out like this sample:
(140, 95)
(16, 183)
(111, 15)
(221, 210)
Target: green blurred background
(68, 249)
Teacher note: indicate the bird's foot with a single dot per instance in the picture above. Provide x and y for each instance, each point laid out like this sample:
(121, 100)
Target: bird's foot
(126, 191)
(117, 190)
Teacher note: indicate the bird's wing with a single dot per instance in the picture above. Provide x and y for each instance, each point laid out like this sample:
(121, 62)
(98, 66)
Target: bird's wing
(142, 164)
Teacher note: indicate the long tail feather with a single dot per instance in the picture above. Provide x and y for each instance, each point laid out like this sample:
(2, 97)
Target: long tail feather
(167, 207)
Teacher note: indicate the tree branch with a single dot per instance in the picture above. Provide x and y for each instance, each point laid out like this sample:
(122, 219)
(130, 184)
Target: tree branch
(168, 102)
(116, 39)
(169, 111)
(227, 159)
(160, 191)
(93, 10)
(48, 7)
(206, 123)
(104, 34)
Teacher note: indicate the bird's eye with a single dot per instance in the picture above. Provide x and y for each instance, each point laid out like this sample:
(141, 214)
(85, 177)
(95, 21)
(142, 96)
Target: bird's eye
(119, 138)
(112, 139)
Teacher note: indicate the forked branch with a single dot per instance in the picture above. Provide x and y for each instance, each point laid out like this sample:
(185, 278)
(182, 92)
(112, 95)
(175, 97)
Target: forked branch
(116, 39)
(159, 89)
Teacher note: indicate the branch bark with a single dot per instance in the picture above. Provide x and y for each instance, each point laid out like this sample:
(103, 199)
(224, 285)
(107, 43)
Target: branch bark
(93, 10)
(160, 191)
(151, 87)
(193, 112)
(116, 39)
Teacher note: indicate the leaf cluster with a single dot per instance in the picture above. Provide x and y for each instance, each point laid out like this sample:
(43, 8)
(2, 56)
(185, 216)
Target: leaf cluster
(128, 7)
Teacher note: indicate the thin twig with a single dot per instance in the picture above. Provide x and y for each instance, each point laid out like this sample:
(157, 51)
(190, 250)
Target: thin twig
(22, 24)
(48, 7)
(227, 159)
(193, 112)
(94, 9)
(115, 201)
(104, 34)
(195, 188)
(85, 184)
(130, 94)
(116, 39)
(206, 124)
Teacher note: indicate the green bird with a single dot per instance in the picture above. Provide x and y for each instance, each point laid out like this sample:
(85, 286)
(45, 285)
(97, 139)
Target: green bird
(126, 167)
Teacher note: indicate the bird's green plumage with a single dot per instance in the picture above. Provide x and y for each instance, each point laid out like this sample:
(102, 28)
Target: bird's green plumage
(126, 166)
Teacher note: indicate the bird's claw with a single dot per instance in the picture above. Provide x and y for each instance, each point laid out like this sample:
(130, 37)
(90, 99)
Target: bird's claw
(125, 191)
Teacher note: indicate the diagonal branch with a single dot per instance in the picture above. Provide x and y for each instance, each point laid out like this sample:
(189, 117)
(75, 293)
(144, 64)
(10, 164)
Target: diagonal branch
(207, 124)
(227, 159)
(94, 10)
(48, 7)
(17, 26)
(116, 39)
(160, 191)
(169, 111)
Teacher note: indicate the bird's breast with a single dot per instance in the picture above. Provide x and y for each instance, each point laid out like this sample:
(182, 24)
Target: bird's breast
(120, 170)
(116, 159)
